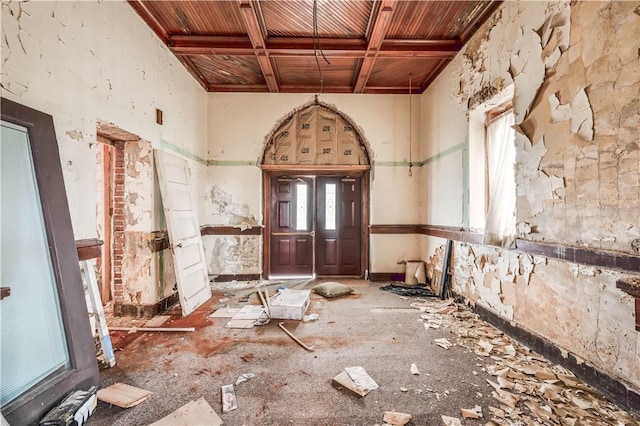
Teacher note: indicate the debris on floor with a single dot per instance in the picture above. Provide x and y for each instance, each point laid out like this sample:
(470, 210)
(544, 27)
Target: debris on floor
(224, 312)
(247, 317)
(310, 318)
(123, 395)
(443, 342)
(356, 380)
(451, 421)
(194, 413)
(74, 409)
(229, 402)
(528, 389)
(446, 307)
(295, 339)
(157, 321)
(244, 377)
(396, 419)
(290, 304)
(410, 290)
(472, 413)
(414, 369)
(154, 329)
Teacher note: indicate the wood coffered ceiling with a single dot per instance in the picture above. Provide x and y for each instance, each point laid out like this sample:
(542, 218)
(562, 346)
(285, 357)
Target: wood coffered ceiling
(268, 45)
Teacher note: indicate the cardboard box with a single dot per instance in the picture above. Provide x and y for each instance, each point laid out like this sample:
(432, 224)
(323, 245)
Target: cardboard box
(290, 304)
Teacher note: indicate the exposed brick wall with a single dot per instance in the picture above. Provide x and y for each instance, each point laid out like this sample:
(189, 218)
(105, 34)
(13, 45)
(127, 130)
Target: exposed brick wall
(118, 223)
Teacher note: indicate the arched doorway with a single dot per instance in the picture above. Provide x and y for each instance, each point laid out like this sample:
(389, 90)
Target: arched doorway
(316, 168)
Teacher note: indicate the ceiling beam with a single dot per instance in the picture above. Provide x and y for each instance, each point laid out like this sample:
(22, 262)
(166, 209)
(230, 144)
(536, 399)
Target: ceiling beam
(252, 21)
(303, 46)
(379, 28)
(489, 8)
(148, 17)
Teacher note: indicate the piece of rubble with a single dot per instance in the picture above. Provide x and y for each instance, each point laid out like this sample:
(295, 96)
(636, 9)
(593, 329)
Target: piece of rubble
(396, 419)
(472, 413)
(414, 369)
(451, 421)
(443, 343)
(244, 377)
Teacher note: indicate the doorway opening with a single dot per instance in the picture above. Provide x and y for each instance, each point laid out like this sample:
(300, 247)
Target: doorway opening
(105, 185)
(316, 169)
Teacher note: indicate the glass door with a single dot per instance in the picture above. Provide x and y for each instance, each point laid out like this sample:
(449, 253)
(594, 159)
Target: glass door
(33, 338)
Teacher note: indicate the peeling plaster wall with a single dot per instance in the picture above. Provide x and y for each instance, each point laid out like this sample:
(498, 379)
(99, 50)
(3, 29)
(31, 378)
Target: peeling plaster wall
(76, 61)
(575, 68)
(238, 124)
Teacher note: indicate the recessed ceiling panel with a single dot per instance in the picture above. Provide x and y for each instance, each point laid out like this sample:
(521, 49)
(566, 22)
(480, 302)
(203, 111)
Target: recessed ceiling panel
(198, 17)
(232, 70)
(344, 19)
(304, 71)
(433, 19)
(394, 73)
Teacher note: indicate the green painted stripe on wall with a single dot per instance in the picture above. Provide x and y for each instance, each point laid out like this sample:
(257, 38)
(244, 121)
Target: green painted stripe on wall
(230, 163)
(185, 153)
(452, 150)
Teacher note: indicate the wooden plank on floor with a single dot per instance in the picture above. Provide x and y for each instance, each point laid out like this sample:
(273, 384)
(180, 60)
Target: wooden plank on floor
(123, 395)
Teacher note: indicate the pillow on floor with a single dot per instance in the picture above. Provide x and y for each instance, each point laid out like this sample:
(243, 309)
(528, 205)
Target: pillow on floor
(332, 289)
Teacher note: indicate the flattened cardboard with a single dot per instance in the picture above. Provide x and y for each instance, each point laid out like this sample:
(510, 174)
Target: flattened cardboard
(194, 413)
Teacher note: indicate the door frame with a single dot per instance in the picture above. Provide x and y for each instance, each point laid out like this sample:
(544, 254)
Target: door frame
(83, 367)
(273, 171)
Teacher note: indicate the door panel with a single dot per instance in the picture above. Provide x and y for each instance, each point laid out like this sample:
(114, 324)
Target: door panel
(184, 232)
(291, 239)
(338, 226)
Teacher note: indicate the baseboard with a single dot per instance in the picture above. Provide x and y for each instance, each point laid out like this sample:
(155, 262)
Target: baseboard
(237, 277)
(611, 387)
(147, 310)
(386, 276)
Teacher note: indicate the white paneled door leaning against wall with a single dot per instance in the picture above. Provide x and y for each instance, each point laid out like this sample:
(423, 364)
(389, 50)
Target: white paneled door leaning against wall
(184, 231)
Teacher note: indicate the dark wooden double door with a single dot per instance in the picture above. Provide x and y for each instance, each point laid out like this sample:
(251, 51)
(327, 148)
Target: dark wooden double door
(316, 226)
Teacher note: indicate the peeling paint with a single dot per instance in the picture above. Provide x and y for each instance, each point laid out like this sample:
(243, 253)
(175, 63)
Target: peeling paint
(234, 255)
(75, 134)
(234, 213)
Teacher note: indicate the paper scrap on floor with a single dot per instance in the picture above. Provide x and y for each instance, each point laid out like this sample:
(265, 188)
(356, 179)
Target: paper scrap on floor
(229, 402)
(246, 317)
(224, 313)
(194, 413)
(123, 395)
(356, 380)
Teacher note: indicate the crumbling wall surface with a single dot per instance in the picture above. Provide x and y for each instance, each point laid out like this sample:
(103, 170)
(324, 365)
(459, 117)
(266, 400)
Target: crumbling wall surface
(575, 70)
(76, 61)
(577, 307)
(232, 254)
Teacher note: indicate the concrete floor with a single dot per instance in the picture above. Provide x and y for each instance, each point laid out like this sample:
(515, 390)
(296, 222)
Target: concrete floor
(292, 385)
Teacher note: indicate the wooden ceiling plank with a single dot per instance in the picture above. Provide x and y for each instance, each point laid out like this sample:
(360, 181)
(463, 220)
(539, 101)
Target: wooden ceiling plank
(252, 21)
(194, 71)
(378, 31)
(148, 17)
(491, 7)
